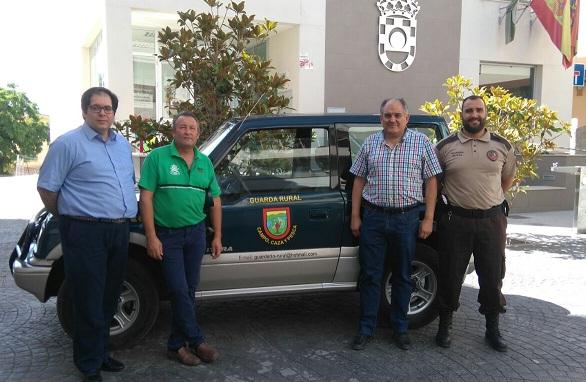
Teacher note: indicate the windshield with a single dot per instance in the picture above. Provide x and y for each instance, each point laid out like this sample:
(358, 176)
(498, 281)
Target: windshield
(212, 142)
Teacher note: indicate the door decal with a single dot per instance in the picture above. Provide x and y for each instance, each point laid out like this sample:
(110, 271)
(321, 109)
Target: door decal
(276, 222)
(277, 228)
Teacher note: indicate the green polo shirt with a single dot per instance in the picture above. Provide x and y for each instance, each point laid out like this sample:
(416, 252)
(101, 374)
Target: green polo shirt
(179, 192)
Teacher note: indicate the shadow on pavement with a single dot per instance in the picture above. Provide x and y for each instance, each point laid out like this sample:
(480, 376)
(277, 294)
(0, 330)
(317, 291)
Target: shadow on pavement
(567, 247)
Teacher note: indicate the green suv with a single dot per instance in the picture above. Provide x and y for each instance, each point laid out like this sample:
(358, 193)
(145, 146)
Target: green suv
(286, 187)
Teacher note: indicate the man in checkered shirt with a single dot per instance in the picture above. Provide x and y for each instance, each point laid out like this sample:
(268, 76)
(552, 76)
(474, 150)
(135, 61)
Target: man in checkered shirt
(395, 179)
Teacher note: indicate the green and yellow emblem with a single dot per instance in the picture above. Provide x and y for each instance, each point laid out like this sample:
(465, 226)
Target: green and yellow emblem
(276, 222)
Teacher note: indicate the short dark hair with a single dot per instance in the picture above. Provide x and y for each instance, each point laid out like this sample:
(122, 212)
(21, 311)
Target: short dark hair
(472, 98)
(185, 114)
(86, 97)
(400, 100)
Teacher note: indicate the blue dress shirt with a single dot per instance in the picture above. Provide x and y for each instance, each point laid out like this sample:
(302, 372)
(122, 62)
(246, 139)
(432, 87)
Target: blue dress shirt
(93, 178)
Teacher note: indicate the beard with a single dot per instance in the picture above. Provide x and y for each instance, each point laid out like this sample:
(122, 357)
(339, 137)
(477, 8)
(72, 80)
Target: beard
(474, 129)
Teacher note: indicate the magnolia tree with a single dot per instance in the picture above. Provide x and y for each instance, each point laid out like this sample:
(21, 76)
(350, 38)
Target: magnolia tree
(531, 128)
(22, 129)
(212, 55)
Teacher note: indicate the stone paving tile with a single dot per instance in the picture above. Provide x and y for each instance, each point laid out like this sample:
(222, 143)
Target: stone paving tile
(308, 338)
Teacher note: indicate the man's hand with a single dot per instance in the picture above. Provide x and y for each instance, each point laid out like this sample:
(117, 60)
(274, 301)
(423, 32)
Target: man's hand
(355, 224)
(154, 247)
(425, 228)
(216, 248)
(355, 219)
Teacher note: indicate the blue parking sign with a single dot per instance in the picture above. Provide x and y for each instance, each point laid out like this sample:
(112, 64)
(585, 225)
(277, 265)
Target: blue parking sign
(578, 74)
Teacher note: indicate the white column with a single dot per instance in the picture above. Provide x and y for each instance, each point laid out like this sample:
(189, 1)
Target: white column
(117, 36)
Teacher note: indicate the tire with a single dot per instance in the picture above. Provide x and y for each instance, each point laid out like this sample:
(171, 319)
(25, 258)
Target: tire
(423, 304)
(137, 311)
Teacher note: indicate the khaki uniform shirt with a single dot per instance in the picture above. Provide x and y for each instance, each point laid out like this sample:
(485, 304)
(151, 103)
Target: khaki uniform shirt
(474, 168)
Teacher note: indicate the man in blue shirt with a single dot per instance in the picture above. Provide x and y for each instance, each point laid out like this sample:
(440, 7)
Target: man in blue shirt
(393, 169)
(87, 180)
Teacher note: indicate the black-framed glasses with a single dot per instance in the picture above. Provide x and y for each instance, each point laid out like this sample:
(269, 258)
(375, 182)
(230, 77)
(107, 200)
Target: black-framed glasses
(97, 109)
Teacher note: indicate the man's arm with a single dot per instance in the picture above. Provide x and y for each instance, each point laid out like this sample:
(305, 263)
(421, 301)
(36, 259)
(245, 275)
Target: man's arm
(426, 226)
(49, 200)
(154, 245)
(355, 220)
(507, 183)
(216, 220)
(509, 170)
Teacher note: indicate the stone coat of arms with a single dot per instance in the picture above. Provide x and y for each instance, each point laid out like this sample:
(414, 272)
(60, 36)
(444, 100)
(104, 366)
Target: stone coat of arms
(397, 34)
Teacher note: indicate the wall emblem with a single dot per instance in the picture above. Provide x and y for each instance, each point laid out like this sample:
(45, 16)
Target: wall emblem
(397, 33)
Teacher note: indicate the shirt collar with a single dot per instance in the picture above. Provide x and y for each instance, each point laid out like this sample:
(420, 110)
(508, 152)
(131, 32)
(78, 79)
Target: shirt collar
(464, 138)
(175, 152)
(91, 133)
(406, 135)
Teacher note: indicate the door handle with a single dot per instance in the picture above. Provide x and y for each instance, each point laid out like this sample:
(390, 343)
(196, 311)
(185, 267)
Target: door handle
(318, 213)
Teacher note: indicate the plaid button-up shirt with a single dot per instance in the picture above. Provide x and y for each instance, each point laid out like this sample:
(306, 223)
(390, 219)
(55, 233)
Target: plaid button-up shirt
(395, 176)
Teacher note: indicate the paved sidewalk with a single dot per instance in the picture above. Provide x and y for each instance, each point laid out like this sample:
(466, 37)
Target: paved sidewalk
(308, 338)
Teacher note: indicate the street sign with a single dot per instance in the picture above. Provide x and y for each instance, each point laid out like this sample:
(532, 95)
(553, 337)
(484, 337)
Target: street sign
(578, 74)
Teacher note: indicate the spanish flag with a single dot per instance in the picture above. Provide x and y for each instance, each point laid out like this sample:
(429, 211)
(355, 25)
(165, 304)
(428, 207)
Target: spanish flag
(560, 20)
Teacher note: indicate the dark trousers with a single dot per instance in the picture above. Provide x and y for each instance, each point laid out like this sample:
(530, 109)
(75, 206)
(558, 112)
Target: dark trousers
(183, 250)
(95, 256)
(386, 239)
(459, 238)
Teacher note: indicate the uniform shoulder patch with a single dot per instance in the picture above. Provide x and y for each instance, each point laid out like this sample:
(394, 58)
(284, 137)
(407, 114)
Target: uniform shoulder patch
(498, 138)
(449, 139)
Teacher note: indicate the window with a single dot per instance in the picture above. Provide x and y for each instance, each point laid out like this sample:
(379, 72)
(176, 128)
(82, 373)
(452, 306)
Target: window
(145, 87)
(518, 79)
(279, 160)
(97, 62)
(153, 95)
(355, 138)
(259, 50)
(358, 133)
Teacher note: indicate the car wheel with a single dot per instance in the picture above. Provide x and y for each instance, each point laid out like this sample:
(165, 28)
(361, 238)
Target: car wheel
(136, 313)
(422, 307)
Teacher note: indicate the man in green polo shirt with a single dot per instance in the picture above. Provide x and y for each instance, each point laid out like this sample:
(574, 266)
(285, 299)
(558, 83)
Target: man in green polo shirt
(173, 185)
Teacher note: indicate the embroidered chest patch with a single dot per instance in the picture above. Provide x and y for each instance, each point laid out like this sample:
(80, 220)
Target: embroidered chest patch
(174, 170)
(492, 155)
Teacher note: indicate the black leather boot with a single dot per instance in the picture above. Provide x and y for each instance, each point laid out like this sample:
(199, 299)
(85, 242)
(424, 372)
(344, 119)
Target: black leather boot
(442, 338)
(493, 334)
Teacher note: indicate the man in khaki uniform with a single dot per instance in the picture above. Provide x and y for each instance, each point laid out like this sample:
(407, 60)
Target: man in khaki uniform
(479, 167)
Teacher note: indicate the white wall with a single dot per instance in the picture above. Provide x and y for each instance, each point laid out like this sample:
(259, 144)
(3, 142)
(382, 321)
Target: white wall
(283, 51)
(483, 40)
(312, 42)
(307, 36)
(117, 40)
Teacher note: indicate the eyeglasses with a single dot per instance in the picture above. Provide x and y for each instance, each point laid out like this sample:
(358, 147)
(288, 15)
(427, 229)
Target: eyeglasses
(97, 109)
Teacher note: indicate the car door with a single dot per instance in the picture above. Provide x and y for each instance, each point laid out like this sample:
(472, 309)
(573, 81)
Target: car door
(282, 217)
(349, 139)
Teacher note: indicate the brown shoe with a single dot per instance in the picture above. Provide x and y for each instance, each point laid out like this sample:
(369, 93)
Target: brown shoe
(184, 356)
(206, 353)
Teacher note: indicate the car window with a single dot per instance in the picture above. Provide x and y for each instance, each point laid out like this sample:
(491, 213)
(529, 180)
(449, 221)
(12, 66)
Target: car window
(276, 160)
(353, 136)
(358, 133)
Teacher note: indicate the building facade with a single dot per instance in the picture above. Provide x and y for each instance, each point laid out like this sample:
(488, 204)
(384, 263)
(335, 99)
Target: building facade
(333, 53)
(330, 52)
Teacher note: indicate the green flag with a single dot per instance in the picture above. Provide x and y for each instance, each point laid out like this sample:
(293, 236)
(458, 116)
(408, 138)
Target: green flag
(510, 15)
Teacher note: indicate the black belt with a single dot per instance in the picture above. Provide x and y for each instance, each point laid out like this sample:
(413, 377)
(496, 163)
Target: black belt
(96, 220)
(475, 214)
(389, 210)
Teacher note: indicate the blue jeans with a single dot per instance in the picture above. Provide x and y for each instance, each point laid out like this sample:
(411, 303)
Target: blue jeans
(95, 257)
(183, 250)
(386, 239)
